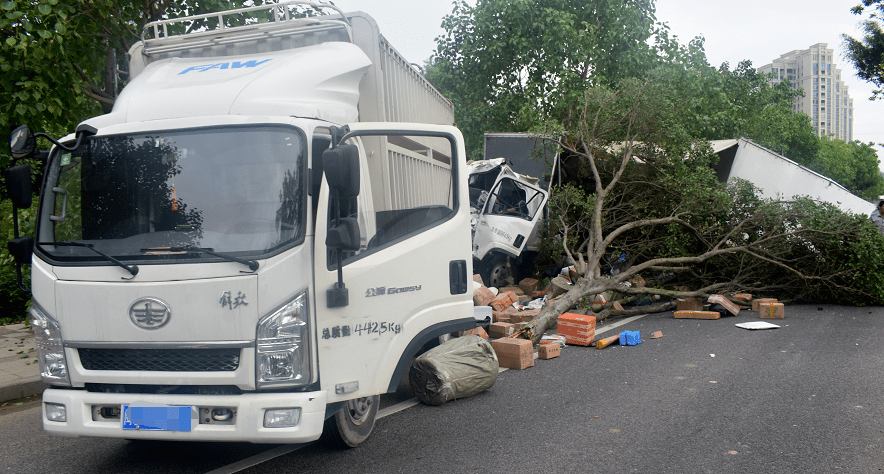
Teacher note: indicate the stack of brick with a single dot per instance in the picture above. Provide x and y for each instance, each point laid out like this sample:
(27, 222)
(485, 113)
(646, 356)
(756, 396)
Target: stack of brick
(498, 330)
(578, 329)
(514, 353)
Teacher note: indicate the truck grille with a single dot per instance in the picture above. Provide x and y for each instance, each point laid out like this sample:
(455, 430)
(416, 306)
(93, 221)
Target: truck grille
(157, 360)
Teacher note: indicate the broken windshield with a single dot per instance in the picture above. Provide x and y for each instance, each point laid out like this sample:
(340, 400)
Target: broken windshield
(236, 190)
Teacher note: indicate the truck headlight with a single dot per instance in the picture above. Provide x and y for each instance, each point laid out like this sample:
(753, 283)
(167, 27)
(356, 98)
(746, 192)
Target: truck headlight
(50, 347)
(283, 342)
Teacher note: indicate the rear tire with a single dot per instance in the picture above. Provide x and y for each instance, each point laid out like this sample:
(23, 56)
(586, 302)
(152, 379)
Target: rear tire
(352, 424)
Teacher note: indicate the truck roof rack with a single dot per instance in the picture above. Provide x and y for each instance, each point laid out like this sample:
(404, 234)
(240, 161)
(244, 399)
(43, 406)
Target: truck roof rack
(275, 22)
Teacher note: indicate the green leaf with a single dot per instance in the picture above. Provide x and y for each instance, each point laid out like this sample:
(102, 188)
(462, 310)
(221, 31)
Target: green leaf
(44, 34)
(10, 41)
(44, 9)
(8, 6)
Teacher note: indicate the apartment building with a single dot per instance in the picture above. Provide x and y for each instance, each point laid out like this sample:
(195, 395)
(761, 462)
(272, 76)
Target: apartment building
(826, 99)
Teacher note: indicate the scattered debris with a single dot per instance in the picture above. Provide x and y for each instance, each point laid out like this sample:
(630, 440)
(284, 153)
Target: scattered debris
(726, 303)
(548, 351)
(697, 315)
(630, 338)
(757, 325)
(603, 343)
(657, 335)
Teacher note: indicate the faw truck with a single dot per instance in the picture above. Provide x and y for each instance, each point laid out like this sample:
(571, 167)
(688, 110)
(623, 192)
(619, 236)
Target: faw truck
(255, 242)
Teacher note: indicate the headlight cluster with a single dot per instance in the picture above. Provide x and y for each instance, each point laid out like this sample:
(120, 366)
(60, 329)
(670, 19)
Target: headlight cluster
(283, 341)
(50, 347)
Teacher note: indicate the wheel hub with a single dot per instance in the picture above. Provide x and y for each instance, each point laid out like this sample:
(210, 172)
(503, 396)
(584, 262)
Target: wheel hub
(358, 410)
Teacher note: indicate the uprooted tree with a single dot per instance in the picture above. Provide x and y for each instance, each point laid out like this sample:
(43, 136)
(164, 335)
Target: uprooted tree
(642, 186)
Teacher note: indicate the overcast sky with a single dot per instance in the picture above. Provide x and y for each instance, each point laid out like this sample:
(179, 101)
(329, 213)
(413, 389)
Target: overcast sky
(757, 30)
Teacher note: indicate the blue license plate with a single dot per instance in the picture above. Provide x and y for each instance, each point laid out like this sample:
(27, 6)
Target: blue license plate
(157, 418)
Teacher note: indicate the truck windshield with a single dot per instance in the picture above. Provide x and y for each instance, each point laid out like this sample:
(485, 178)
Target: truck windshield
(236, 190)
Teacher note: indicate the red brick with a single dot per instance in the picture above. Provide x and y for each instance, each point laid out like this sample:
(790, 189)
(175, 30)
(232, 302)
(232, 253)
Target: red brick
(697, 315)
(503, 301)
(689, 303)
(478, 278)
(525, 316)
(618, 306)
(772, 311)
(477, 332)
(548, 351)
(529, 285)
(757, 302)
(584, 339)
(483, 297)
(744, 299)
(501, 329)
(515, 289)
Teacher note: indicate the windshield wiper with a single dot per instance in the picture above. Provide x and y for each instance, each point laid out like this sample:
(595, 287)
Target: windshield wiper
(133, 269)
(252, 264)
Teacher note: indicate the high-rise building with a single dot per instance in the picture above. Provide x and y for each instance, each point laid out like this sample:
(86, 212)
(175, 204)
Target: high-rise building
(826, 100)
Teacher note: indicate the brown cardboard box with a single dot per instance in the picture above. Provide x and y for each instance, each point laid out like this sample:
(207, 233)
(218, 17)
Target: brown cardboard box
(548, 351)
(511, 346)
(689, 303)
(772, 311)
(529, 285)
(697, 315)
(757, 302)
(501, 329)
(577, 328)
(503, 301)
(728, 304)
(483, 297)
(518, 363)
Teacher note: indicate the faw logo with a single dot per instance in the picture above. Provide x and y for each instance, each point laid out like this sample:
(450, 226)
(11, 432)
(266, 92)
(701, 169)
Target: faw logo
(231, 65)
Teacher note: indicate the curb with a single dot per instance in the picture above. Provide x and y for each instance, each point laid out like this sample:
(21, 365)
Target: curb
(25, 387)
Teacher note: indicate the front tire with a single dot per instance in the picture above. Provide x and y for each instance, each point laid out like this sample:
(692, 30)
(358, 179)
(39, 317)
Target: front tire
(497, 271)
(352, 424)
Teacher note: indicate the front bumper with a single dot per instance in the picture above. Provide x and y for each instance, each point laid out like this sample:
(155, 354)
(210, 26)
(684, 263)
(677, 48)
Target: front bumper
(247, 424)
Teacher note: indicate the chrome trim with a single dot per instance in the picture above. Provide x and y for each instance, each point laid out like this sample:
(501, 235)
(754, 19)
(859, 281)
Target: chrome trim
(160, 345)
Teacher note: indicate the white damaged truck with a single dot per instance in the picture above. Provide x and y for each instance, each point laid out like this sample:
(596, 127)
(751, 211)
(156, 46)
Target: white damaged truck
(255, 243)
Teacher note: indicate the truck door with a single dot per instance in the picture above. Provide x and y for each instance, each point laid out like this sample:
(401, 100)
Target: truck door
(508, 216)
(407, 276)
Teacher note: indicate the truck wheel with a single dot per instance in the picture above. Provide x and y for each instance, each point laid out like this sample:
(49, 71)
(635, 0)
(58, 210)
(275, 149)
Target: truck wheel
(352, 424)
(496, 272)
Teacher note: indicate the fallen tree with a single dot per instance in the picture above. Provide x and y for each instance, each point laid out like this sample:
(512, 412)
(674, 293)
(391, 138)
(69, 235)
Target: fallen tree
(642, 187)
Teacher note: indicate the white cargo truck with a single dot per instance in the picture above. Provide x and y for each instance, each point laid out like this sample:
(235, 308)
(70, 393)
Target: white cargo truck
(256, 241)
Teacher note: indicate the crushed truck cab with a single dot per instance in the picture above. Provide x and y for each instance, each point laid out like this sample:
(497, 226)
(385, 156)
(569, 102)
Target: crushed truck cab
(255, 243)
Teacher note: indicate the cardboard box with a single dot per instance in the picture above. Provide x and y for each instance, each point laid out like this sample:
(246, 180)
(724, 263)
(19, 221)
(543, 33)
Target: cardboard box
(503, 301)
(578, 329)
(548, 351)
(511, 346)
(483, 297)
(518, 363)
(529, 285)
(757, 302)
(697, 315)
(728, 304)
(689, 303)
(772, 311)
(496, 330)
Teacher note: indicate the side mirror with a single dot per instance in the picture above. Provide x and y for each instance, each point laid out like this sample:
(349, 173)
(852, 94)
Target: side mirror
(341, 167)
(18, 182)
(22, 142)
(21, 248)
(344, 235)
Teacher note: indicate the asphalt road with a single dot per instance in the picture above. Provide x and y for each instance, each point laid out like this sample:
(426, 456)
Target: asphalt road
(707, 397)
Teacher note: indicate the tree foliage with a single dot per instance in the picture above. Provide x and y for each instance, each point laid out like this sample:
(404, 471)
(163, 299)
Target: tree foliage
(867, 53)
(512, 65)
